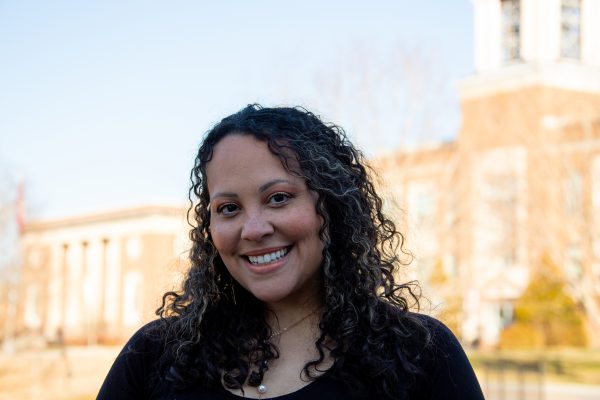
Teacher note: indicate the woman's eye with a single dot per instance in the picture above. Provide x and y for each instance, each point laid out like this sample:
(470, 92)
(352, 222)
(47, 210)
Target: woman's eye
(227, 209)
(279, 198)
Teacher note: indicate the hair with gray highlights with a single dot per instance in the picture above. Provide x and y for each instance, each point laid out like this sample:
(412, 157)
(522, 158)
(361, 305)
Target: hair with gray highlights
(217, 330)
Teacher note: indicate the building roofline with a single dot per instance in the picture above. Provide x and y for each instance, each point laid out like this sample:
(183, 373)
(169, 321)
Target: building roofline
(419, 150)
(566, 75)
(111, 215)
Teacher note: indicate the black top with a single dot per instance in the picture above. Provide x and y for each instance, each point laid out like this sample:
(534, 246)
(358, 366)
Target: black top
(447, 374)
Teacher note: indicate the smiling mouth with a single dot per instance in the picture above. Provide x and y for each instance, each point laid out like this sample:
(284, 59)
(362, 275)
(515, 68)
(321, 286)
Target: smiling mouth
(268, 258)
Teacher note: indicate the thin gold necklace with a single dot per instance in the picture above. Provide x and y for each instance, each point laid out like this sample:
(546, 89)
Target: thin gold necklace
(287, 328)
(262, 388)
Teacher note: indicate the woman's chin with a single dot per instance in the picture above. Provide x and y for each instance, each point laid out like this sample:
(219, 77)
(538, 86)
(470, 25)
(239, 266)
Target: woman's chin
(269, 296)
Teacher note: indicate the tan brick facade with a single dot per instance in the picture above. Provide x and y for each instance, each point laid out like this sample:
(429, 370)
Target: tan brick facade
(98, 277)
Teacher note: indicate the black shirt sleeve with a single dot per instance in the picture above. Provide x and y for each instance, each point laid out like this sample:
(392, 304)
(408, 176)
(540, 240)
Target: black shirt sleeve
(134, 369)
(448, 372)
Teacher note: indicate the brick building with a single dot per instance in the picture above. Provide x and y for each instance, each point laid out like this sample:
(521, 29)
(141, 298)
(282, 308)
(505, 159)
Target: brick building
(96, 278)
(522, 179)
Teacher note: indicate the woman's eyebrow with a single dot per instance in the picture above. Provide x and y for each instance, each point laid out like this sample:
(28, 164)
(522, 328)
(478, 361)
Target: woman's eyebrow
(267, 185)
(224, 194)
(261, 189)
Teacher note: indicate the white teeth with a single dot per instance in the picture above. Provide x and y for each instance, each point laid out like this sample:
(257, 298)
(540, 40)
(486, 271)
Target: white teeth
(267, 258)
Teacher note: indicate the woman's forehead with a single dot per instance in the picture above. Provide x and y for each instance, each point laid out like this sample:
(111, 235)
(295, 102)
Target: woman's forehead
(249, 143)
(240, 158)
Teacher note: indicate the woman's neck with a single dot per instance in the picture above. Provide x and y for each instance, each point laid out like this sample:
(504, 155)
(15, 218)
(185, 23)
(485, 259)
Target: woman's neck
(283, 317)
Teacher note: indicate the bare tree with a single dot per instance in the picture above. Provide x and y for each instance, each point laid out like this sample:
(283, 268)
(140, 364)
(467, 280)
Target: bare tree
(10, 208)
(386, 97)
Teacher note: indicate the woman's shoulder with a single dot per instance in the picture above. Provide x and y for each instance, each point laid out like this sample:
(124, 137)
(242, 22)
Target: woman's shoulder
(436, 338)
(133, 374)
(410, 320)
(435, 329)
(446, 370)
(148, 338)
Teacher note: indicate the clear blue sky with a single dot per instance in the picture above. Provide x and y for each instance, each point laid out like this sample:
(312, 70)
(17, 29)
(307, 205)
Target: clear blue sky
(103, 103)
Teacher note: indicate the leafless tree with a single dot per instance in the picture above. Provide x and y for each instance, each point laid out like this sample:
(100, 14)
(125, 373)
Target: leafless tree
(9, 251)
(386, 97)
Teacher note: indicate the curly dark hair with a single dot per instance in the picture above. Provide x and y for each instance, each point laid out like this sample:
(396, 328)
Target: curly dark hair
(366, 325)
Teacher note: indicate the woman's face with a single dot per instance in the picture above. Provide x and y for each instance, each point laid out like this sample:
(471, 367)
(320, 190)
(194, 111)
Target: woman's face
(263, 222)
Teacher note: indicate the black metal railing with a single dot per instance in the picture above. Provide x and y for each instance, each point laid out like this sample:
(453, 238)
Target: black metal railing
(516, 380)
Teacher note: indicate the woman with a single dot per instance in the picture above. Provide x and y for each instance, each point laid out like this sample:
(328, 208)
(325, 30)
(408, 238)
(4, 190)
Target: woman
(291, 293)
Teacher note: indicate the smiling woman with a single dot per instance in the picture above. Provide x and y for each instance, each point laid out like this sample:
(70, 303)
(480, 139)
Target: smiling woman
(264, 223)
(291, 293)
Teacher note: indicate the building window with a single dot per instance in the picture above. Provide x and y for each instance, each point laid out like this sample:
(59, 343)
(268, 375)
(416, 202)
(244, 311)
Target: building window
(511, 30)
(506, 313)
(573, 194)
(33, 318)
(500, 183)
(502, 201)
(132, 298)
(571, 29)
(574, 263)
(425, 208)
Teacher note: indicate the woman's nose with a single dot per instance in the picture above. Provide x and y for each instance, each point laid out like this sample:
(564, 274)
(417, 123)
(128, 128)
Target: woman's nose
(256, 227)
